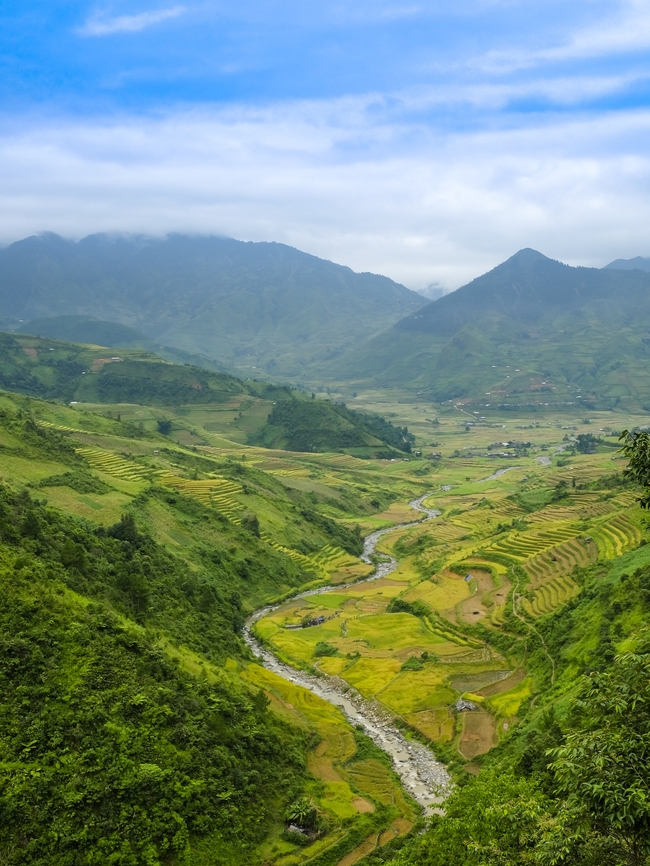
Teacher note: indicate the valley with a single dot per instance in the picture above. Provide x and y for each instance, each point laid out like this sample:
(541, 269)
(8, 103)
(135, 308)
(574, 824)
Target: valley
(440, 656)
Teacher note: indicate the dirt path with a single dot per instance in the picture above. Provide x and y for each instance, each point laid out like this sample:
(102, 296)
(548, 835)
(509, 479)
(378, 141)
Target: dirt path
(516, 598)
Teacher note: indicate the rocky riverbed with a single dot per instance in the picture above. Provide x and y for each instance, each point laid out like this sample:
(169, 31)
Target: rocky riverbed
(425, 778)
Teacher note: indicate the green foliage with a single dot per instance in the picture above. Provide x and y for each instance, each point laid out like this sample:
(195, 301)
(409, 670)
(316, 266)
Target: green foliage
(251, 523)
(318, 425)
(413, 663)
(601, 768)
(586, 443)
(302, 812)
(636, 448)
(164, 427)
(349, 538)
(110, 753)
(80, 480)
(416, 608)
(495, 819)
(127, 569)
(323, 648)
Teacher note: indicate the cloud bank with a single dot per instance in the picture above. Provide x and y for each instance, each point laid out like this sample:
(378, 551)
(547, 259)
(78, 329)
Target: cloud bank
(345, 181)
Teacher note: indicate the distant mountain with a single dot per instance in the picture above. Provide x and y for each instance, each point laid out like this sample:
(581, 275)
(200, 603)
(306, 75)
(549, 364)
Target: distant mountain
(531, 331)
(639, 263)
(254, 306)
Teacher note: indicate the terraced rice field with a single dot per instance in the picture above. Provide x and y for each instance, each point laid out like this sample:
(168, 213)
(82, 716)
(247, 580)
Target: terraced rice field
(215, 492)
(616, 536)
(561, 559)
(324, 563)
(550, 596)
(305, 562)
(523, 546)
(118, 467)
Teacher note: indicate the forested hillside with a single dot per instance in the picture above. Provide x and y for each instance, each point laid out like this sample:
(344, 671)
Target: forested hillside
(318, 425)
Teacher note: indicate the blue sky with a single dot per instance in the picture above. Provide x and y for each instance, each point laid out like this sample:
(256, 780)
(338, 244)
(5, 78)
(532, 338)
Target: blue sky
(425, 140)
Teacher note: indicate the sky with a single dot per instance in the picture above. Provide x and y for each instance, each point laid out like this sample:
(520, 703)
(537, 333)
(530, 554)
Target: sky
(427, 141)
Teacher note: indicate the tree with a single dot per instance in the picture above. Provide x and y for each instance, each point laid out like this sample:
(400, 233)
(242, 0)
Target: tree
(602, 768)
(303, 812)
(496, 819)
(165, 427)
(636, 447)
(586, 443)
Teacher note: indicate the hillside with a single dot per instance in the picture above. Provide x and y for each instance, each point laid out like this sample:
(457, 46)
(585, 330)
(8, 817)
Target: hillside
(247, 305)
(86, 329)
(56, 370)
(531, 332)
(318, 425)
(93, 375)
(128, 562)
(127, 566)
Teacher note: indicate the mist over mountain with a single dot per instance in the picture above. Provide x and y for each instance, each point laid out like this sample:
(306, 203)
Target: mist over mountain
(255, 306)
(530, 330)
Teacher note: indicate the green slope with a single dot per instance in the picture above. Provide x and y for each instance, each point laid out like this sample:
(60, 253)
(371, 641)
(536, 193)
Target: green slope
(132, 725)
(531, 332)
(56, 370)
(248, 305)
(318, 425)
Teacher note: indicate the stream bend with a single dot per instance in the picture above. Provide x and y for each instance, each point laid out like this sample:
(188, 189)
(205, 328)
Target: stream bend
(425, 778)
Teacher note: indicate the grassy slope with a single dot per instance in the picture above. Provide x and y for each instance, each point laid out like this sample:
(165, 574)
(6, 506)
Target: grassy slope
(201, 566)
(96, 375)
(178, 494)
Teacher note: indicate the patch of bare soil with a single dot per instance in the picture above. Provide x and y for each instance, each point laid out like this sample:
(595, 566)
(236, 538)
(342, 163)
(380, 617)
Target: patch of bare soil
(478, 736)
(474, 609)
(504, 685)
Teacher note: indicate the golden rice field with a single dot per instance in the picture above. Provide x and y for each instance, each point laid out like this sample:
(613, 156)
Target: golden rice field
(460, 571)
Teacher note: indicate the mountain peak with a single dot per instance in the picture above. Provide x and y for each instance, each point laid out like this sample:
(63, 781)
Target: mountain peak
(528, 256)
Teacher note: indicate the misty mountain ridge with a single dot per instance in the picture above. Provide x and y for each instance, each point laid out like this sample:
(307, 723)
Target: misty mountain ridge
(254, 306)
(638, 263)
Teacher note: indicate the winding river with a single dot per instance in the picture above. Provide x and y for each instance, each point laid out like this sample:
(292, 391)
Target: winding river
(423, 777)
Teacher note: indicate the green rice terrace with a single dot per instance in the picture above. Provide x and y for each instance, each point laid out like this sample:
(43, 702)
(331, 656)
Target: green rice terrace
(453, 644)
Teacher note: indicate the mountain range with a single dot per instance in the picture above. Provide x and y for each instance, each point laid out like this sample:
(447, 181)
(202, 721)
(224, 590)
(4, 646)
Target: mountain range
(251, 306)
(531, 331)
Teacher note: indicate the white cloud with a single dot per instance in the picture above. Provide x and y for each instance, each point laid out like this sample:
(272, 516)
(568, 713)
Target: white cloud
(624, 31)
(333, 179)
(100, 25)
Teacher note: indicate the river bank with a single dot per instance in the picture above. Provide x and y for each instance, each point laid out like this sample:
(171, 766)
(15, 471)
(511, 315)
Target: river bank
(425, 778)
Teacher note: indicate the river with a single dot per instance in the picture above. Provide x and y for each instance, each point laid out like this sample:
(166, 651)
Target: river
(426, 779)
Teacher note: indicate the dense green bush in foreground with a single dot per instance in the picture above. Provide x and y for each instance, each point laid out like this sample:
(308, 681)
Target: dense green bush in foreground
(110, 753)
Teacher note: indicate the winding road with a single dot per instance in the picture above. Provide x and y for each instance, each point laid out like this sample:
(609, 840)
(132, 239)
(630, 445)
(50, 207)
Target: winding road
(423, 777)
